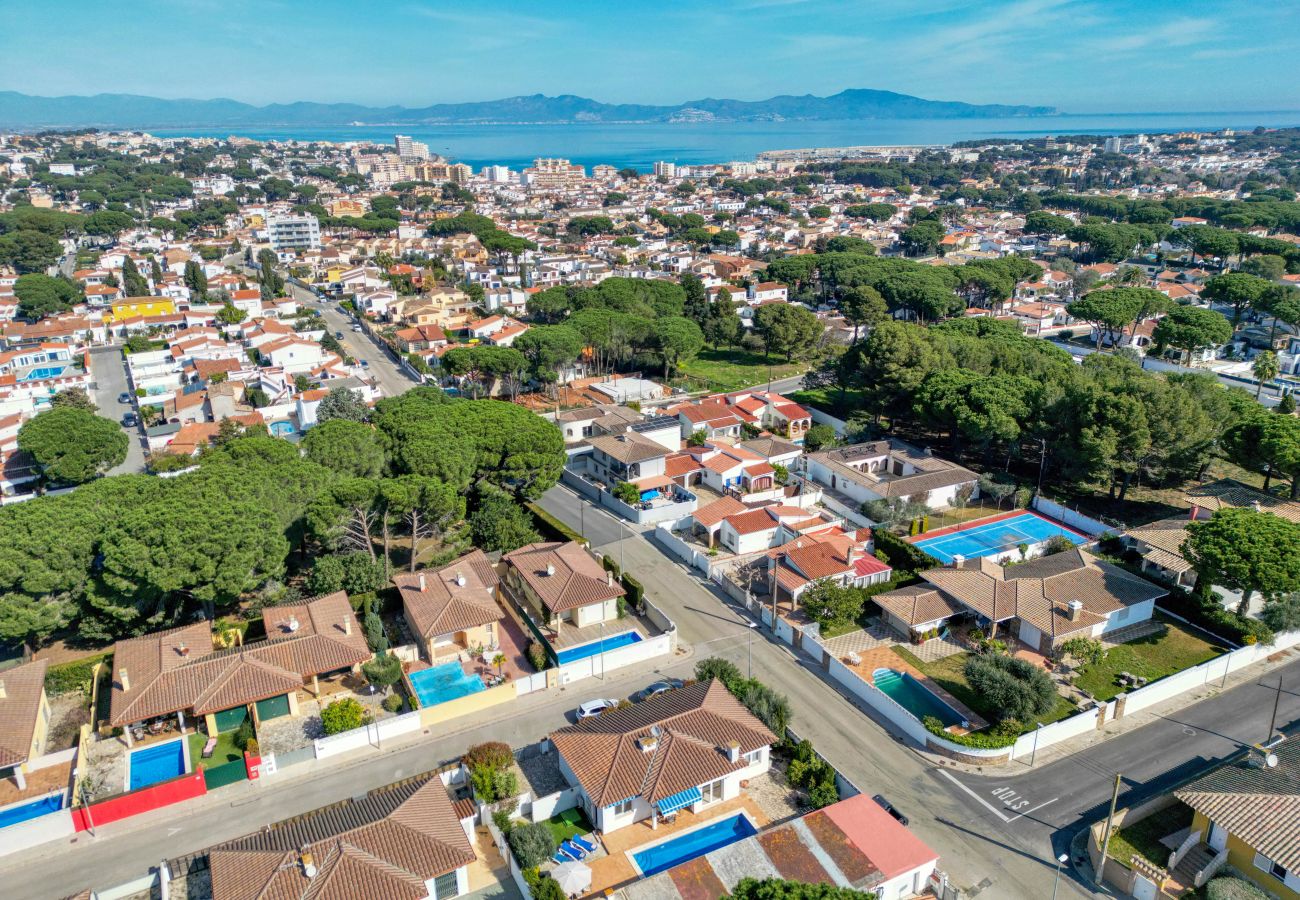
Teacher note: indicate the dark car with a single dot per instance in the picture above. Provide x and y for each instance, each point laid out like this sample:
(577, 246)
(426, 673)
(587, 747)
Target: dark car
(338, 335)
(889, 808)
(124, 397)
(129, 420)
(659, 687)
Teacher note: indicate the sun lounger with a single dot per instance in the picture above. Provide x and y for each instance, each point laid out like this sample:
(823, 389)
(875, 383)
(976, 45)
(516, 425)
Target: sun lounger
(568, 853)
(586, 846)
(560, 858)
(209, 747)
(573, 850)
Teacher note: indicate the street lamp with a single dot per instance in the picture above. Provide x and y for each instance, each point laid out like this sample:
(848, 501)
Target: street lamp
(1060, 861)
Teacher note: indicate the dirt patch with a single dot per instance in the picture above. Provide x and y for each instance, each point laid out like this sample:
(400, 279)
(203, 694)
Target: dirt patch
(68, 712)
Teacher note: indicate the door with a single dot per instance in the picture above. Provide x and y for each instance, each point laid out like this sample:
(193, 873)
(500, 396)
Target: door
(1218, 837)
(1143, 888)
(230, 719)
(273, 707)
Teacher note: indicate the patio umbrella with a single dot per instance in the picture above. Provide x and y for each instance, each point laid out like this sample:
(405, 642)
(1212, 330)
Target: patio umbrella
(573, 877)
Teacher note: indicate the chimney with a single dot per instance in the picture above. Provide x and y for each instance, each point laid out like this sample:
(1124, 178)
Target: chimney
(1076, 609)
(347, 625)
(609, 578)
(733, 752)
(421, 582)
(550, 569)
(182, 649)
(3, 694)
(308, 862)
(460, 579)
(850, 554)
(648, 743)
(957, 560)
(122, 677)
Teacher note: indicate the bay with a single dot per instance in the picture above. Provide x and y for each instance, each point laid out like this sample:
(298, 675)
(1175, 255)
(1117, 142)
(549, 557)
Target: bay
(640, 145)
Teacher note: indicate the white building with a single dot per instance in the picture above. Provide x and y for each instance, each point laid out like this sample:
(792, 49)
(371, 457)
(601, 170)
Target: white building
(293, 232)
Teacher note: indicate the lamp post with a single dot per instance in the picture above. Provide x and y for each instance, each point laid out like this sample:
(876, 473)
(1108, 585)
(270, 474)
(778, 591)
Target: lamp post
(602, 651)
(1060, 861)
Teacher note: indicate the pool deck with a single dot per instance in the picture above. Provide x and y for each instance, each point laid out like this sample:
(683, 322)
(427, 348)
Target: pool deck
(885, 658)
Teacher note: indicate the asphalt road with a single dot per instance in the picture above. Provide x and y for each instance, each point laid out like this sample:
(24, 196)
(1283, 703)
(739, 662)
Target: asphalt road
(109, 371)
(392, 378)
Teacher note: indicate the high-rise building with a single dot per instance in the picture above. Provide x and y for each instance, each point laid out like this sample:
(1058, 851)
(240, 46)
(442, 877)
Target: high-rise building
(1112, 145)
(496, 174)
(293, 232)
(410, 149)
(554, 173)
(603, 172)
(456, 173)
(666, 170)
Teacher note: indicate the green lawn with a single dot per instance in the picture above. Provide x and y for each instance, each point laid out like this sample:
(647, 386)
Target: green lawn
(731, 370)
(1155, 656)
(835, 631)
(831, 400)
(224, 752)
(1143, 838)
(568, 823)
(948, 674)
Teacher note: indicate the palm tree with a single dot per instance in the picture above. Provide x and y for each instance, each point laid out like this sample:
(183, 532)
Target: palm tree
(499, 661)
(1265, 368)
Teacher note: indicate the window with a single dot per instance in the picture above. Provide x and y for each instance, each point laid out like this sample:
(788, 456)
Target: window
(623, 807)
(1264, 864)
(446, 886)
(711, 792)
(754, 757)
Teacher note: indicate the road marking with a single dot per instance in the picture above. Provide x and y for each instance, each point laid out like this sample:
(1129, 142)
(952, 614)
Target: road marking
(1009, 797)
(1035, 809)
(978, 799)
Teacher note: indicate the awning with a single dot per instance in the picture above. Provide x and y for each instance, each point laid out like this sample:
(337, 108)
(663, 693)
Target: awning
(678, 800)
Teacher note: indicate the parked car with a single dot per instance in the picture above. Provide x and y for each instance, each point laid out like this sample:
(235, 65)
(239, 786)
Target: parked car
(356, 327)
(338, 335)
(124, 397)
(593, 708)
(363, 364)
(129, 420)
(659, 687)
(889, 808)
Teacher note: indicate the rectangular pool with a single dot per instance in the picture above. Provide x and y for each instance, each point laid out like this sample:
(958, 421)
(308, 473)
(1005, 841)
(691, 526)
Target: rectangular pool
(991, 538)
(442, 683)
(12, 815)
(613, 642)
(157, 763)
(914, 696)
(43, 372)
(692, 844)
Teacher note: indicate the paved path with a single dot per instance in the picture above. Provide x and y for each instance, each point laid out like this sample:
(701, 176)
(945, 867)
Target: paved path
(108, 368)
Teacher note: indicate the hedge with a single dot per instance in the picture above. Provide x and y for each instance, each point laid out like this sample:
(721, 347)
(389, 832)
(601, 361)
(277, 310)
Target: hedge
(1210, 615)
(635, 590)
(552, 527)
(980, 740)
(901, 554)
(611, 565)
(74, 676)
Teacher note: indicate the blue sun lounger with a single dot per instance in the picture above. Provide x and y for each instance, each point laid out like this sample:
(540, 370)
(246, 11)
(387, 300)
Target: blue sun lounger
(586, 846)
(573, 850)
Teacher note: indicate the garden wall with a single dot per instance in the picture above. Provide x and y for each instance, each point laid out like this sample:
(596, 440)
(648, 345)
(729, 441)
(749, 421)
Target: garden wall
(543, 808)
(1072, 518)
(49, 827)
(615, 659)
(470, 703)
(144, 800)
(369, 735)
(679, 549)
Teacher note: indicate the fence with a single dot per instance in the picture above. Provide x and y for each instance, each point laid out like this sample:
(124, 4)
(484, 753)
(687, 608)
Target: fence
(527, 684)
(680, 550)
(1074, 519)
(542, 808)
(224, 774)
(294, 757)
(371, 734)
(153, 797)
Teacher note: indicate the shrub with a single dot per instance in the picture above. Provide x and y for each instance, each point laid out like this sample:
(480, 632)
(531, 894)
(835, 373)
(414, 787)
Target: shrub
(492, 755)
(719, 668)
(532, 844)
(383, 671)
(503, 820)
(1017, 688)
(536, 654)
(252, 748)
(245, 733)
(1232, 889)
(1209, 614)
(627, 492)
(1057, 543)
(980, 740)
(1087, 650)
(824, 793)
(819, 436)
(393, 702)
(547, 888)
(611, 565)
(550, 527)
(901, 554)
(635, 590)
(75, 676)
(343, 715)
(494, 785)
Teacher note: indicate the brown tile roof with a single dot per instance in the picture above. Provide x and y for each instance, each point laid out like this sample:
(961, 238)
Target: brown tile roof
(932, 472)
(563, 575)
(387, 844)
(1255, 803)
(696, 725)
(753, 522)
(1229, 494)
(19, 708)
(718, 510)
(437, 602)
(179, 669)
(628, 448)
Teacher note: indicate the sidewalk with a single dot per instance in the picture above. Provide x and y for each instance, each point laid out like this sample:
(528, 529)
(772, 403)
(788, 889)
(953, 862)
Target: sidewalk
(1128, 723)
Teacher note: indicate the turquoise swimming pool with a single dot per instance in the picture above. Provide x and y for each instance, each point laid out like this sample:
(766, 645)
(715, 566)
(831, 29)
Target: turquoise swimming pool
(157, 763)
(442, 683)
(914, 697)
(43, 372)
(693, 844)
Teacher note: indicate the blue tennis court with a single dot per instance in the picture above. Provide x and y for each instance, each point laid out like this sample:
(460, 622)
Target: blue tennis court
(991, 538)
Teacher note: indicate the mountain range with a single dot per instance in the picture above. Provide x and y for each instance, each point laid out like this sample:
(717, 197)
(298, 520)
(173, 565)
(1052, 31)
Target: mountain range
(25, 111)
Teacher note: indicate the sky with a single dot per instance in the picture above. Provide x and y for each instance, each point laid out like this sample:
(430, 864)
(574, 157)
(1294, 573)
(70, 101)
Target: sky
(1078, 55)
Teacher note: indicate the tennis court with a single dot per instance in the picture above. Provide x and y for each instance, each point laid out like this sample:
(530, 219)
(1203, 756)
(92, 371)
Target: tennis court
(988, 538)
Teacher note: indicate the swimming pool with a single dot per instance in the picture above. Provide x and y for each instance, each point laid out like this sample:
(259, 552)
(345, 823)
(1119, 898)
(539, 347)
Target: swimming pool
(692, 844)
(613, 642)
(282, 429)
(995, 537)
(157, 763)
(12, 815)
(43, 372)
(442, 683)
(914, 697)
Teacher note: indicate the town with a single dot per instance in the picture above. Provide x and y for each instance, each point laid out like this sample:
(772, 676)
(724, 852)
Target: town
(874, 521)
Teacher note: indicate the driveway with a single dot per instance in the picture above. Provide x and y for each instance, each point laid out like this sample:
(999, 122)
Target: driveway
(109, 371)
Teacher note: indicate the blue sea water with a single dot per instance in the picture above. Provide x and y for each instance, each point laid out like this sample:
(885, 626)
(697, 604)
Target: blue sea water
(640, 145)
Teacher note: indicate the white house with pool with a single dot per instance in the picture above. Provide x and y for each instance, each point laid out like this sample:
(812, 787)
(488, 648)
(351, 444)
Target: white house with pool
(678, 753)
(1043, 602)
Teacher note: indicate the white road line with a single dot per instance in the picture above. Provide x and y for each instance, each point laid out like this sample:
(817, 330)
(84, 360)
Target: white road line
(978, 799)
(1035, 809)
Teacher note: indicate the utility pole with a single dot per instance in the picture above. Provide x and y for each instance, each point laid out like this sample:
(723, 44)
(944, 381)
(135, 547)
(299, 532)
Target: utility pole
(1105, 844)
(1272, 723)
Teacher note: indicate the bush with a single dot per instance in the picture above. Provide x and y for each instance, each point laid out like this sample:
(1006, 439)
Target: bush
(1209, 614)
(504, 821)
(611, 566)
(393, 702)
(1232, 889)
(628, 492)
(635, 590)
(1017, 688)
(532, 844)
(1087, 650)
(245, 733)
(901, 554)
(536, 654)
(993, 739)
(716, 667)
(542, 887)
(383, 671)
(75, 676)
(824, 793)
(492, 755)
(343, 715)
(494, 785)
(819, 436)
(252, 748)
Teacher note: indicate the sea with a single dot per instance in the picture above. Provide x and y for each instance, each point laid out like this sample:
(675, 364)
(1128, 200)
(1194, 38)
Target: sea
(640, 145)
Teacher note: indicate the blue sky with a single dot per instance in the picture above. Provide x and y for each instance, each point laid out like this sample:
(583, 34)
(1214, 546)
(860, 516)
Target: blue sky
(1079, 55)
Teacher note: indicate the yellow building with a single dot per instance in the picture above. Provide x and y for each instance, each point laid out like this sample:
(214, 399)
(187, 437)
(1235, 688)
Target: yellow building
(24, 719)
(1247, 814)
(143, 306)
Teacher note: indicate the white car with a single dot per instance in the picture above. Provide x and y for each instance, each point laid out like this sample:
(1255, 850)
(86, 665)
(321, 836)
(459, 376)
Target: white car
(593, 708)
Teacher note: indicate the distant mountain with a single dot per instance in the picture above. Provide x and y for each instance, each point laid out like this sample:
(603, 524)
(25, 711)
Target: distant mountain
(133, 111)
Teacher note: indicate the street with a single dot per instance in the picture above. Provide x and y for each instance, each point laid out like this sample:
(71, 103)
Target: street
(109, 371)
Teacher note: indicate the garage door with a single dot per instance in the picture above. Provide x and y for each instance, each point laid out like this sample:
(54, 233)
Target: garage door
(230, 719)
(273, 707)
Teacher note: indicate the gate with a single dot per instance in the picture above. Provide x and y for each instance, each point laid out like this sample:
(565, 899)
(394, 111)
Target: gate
(224, 774)
(272, 708)
(230, 719)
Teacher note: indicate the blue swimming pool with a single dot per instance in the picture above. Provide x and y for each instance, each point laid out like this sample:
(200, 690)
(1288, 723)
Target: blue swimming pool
(914, 697)
(692, 844)
(282, 429)
(157, 763)
(442, 683)
(992, 538)
(43, 372)
(47, 804)
(613, 642)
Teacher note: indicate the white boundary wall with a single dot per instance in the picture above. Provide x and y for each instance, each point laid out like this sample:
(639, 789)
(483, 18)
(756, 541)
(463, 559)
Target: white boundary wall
(49, 827)
(615, 659)
(1078, 520)
(370, 735)
(680, 550)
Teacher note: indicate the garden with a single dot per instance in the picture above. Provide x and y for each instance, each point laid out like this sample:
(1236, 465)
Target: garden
(1169, 650)
(732, 370)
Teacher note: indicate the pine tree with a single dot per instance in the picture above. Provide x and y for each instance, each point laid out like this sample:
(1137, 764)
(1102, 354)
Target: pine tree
(132, 281)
